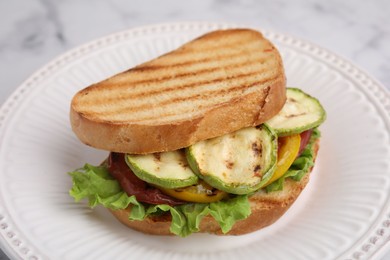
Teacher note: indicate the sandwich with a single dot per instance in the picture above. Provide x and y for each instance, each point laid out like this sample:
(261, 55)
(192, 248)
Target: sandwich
(206, 138)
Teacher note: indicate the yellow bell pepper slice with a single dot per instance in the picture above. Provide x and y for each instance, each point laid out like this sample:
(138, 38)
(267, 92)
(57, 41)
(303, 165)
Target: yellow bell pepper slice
(200, 193)
(287, 152)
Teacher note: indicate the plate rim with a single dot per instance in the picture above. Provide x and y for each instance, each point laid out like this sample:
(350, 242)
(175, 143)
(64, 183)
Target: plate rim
(371, 246)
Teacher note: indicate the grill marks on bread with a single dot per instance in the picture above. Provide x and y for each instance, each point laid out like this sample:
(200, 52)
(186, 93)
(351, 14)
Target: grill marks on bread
(199, 101)
(200, 75)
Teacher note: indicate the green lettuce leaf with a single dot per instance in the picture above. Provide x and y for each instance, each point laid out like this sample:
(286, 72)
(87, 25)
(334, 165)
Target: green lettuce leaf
(226, 213)
(96, 184)
(100, 188)
(300, 166)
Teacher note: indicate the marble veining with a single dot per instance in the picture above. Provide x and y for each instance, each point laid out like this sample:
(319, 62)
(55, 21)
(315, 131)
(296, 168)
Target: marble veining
(34, 32)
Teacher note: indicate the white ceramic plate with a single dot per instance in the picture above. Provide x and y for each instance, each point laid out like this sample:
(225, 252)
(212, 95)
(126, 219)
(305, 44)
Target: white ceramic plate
(342, 214)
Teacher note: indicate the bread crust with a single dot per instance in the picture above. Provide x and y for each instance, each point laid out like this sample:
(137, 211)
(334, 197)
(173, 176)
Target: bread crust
(266, 209)
(248, 109)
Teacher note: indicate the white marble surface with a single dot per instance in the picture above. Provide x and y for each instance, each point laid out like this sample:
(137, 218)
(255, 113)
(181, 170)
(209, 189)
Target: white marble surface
(33, 32)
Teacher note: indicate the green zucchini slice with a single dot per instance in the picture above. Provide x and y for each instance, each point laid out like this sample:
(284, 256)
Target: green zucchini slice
(301, 112)
(168, 169)
(239, 162)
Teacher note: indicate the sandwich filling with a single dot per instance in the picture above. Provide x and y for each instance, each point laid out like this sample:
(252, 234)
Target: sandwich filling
(211, 170)
(201, 192)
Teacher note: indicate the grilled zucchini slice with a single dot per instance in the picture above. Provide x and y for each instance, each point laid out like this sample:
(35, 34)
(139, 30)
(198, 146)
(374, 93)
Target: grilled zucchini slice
(239, 162)
(301, 112)
(168, 169)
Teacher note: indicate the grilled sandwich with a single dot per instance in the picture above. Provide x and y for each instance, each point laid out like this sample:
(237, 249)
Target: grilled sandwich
(206, 138)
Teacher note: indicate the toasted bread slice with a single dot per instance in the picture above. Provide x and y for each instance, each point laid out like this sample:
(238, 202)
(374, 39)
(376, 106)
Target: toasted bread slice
(218, 83)
(266, 209)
